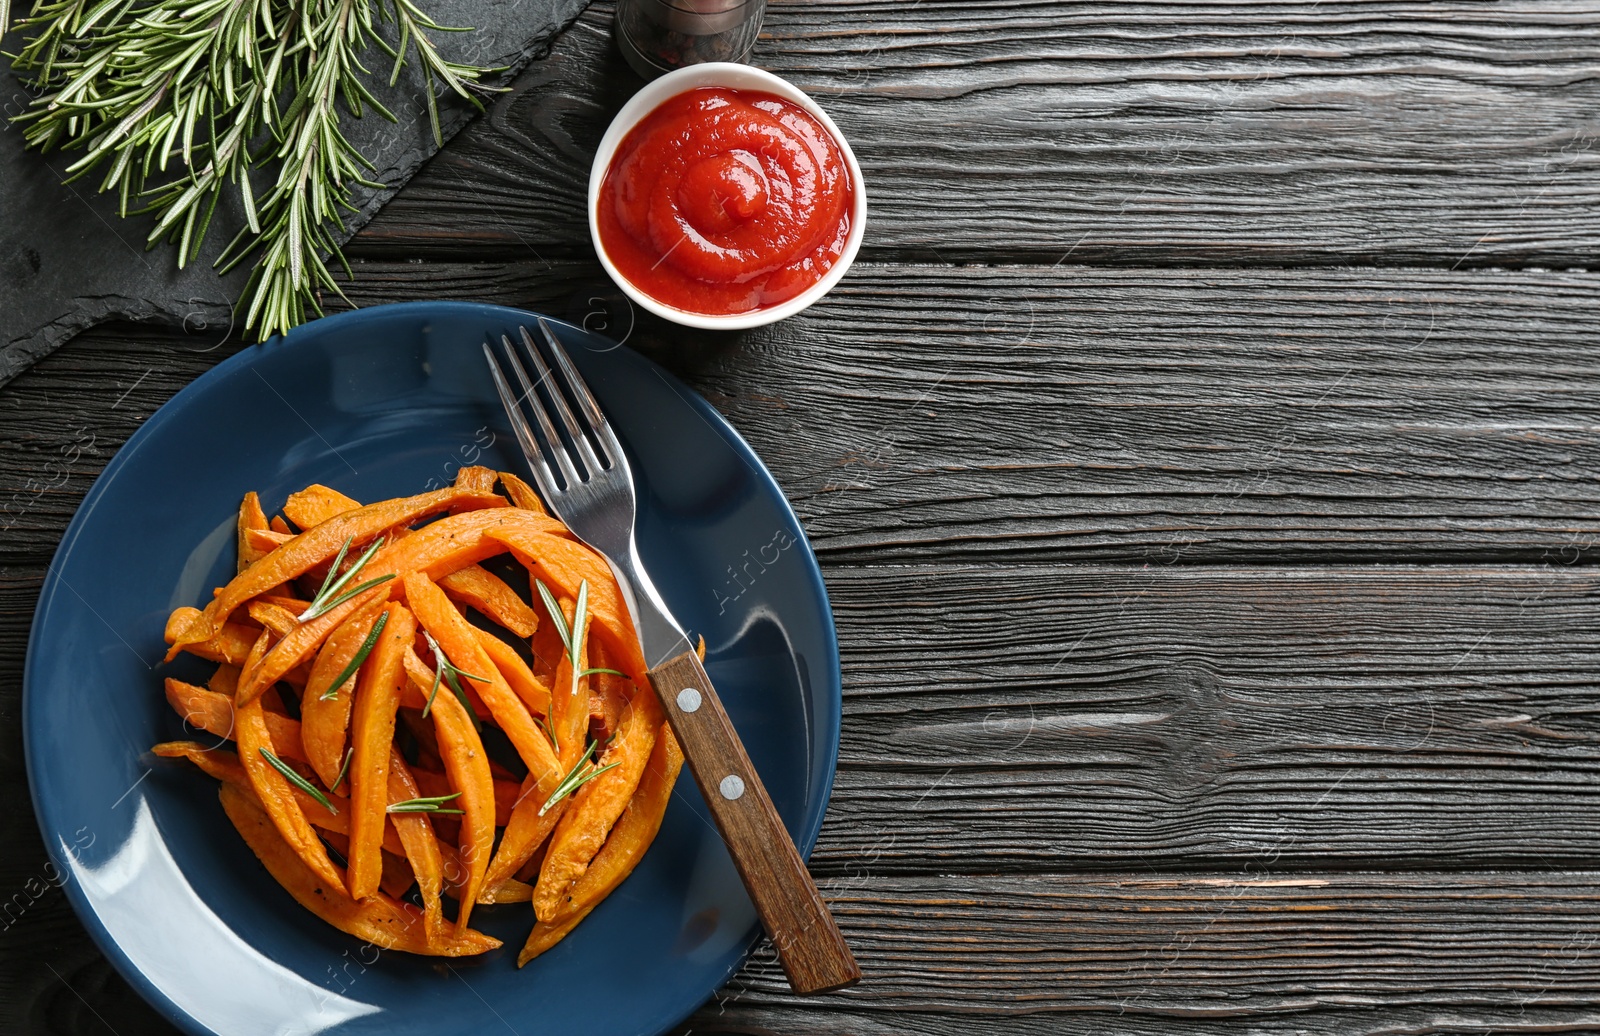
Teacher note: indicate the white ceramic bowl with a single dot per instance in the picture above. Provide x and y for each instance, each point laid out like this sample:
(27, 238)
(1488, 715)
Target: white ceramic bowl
(734, 77)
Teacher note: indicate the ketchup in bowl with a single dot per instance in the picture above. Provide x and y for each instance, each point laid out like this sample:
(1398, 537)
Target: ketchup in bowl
(724, 201)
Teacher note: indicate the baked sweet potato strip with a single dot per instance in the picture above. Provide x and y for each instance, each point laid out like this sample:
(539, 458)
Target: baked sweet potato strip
(230, 644)
(212, 712)
(477, 587)
(372, 738)
(264, 541)
(468, 766)
(569, 697)
(535, 695)
(251, 518)
(325, 722)
(525, 831)
(292, 605)
(396, 879)
(547, 650)
(457, 637)
(521, 494)
(415, 832)
(453, 542)
(273, 617)
(320, 544)
(624, 848)
(277, 794)
(303, 642)
(609, 696)
(509, 891)
(379, 920)
(315, 504)
(225, 766)
(476, 479)
(597, 805)
(564, 564)
(225, 680)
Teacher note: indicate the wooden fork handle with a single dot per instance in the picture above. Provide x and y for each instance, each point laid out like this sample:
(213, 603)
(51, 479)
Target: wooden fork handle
(809, 944)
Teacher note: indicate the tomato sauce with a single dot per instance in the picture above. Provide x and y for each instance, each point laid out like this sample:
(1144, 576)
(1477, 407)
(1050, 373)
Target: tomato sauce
(725, 201)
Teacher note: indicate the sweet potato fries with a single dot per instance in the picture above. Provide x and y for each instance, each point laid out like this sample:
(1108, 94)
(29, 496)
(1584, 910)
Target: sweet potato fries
(358, 692)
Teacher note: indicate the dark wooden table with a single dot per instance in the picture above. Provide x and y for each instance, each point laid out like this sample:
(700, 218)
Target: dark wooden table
(1203, 460)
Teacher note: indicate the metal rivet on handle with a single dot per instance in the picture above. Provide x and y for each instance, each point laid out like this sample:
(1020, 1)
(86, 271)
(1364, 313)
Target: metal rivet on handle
(689, 699)
(732, 786)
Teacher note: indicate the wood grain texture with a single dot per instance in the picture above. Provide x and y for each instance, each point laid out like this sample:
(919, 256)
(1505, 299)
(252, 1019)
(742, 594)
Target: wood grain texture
(1143, 416)
(727, 1014)
(1450, 134)
(1046, 718)
(1212, 945)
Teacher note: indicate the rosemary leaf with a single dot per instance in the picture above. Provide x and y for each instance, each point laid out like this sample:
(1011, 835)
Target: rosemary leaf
(443, 668)
(425, 804)
(329, 596)
(557, 616)
(355, 663)
(298, 781)
(333, 571)
(582, 772)
(549, 732)
(344, 767)
(580, 615)
(354, 591)
(174, 103)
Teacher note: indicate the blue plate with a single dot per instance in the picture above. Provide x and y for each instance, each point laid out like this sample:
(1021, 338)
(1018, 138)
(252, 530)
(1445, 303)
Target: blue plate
(378, 403)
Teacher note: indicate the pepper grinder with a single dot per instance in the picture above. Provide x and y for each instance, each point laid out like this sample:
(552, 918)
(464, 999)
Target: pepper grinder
(657, 36)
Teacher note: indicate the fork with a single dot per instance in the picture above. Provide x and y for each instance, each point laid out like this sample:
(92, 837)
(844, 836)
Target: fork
(590, 489)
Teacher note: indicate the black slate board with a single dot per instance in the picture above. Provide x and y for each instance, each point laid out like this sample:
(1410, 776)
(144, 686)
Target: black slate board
(68, 261)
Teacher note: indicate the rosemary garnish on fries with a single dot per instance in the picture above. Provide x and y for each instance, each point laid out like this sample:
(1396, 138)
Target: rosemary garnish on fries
(355, 663)
(444, 668)
(329, 596)
(344, 768)
(572, 637)
(581, 773)
(425, 804)
(297, 780)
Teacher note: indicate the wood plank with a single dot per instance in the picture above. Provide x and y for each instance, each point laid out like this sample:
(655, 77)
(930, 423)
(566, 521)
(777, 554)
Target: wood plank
(1147, 416)
(728, 1014)
(1143, 416)
(1446, 134)
(1202, 948)
(1032, 717)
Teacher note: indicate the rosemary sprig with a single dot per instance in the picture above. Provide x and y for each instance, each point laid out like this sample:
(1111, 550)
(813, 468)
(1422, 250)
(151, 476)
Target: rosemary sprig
(297, 780)
(572, 637)
(425, 804)
(344, 768)
(582, 772)
(558, 616)
(444, 668)
(330, 596)
(178, 103)
(332, 692)
(613, 672)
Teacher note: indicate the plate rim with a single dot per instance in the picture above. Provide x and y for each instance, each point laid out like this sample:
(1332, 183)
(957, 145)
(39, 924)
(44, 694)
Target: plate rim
(246, 357)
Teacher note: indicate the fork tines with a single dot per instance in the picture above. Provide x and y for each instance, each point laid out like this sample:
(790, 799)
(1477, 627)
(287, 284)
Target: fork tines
(588, 433)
